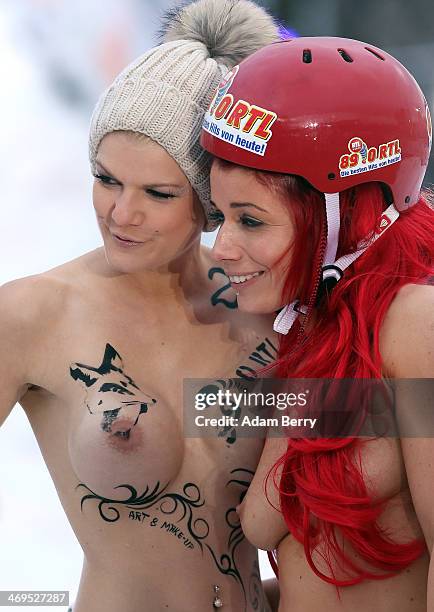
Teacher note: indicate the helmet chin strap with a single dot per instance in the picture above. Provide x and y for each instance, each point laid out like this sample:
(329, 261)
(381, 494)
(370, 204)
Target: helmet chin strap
(333, 270)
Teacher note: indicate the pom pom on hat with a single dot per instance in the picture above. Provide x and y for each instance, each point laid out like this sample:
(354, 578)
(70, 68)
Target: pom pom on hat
(231, 30)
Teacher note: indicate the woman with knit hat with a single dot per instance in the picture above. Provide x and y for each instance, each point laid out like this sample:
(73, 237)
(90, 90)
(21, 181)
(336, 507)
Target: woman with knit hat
(96, 350)
(317, 187)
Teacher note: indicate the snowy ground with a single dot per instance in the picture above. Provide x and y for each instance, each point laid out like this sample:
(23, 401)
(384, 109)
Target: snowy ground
(46, 219)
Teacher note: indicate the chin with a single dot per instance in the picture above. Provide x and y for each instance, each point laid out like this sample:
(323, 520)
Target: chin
(128, 263)
(256, 306)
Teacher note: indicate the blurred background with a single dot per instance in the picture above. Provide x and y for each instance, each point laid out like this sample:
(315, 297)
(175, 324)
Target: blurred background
(56, 58)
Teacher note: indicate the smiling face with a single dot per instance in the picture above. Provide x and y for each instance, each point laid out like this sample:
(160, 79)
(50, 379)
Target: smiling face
(254, 239)
(146, 209)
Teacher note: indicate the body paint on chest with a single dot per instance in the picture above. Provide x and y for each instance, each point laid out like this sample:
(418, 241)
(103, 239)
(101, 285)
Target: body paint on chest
(112, 394)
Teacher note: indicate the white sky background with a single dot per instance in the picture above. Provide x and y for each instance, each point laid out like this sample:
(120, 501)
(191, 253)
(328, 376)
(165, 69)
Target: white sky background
(46, 219)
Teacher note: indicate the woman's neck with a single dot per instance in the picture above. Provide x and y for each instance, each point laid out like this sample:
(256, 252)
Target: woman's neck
(182, 279)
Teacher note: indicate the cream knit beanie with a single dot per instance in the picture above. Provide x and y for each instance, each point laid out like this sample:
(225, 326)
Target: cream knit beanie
(165, 93)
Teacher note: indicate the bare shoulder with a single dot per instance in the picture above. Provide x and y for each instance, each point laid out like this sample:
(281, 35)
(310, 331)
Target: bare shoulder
(33, 296)
(24, 300)
(413, 297)
(29, 308)
(42, 298)
(407, 333)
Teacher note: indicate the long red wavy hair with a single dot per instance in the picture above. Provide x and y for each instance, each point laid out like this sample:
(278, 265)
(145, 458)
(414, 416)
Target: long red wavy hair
(323, 495)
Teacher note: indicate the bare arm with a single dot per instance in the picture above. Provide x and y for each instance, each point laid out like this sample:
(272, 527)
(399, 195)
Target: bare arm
(408, 352)
(29, 308)
(271, 588)
(13, 332)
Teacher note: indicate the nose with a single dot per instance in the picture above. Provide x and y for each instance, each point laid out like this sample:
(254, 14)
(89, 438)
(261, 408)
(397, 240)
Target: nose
(225, 246)
(128, 209)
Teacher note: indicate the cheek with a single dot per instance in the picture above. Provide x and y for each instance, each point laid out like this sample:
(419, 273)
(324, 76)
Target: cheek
(271, 249)
(171, 223)
(176, 220)
(101, 200)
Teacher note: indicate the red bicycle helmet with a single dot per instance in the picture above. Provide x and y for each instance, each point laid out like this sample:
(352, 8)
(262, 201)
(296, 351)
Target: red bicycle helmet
(335, 111)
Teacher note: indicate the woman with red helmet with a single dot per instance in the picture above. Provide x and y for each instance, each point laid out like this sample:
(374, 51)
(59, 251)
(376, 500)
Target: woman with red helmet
(321, 146)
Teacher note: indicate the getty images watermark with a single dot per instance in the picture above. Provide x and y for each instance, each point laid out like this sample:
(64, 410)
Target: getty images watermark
(226, 399)
(233, 408)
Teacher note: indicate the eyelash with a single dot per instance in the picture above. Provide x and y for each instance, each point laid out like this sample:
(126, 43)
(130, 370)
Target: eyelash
(107, 181)
(160, 194)
(248, 222)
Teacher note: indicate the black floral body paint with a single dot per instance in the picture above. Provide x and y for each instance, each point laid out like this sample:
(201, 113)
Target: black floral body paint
(187, 524)
(264, 354)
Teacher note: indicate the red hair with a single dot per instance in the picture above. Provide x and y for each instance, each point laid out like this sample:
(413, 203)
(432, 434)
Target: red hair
(323, 495)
